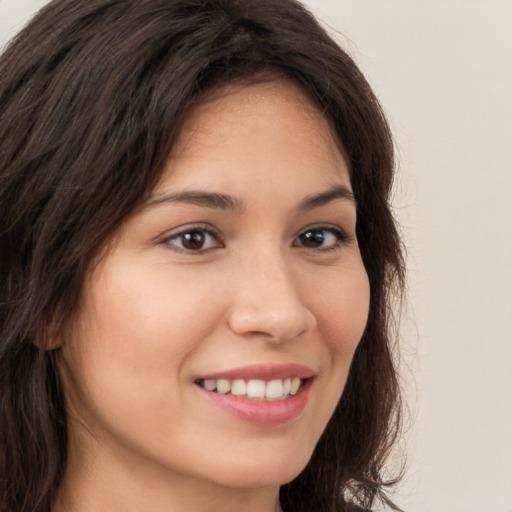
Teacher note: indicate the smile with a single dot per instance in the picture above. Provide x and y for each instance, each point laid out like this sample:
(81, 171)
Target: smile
(261, 394)
(255, 389)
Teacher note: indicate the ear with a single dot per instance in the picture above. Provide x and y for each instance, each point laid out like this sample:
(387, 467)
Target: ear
(47, 343)
(52, 344)
(50, 336)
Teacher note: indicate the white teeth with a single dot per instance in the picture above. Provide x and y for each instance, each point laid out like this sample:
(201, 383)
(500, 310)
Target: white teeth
(210, 385)
(287, 386)
(256, 389)
(223, 386)
(239, 387)
(295, 385)
(276, 389)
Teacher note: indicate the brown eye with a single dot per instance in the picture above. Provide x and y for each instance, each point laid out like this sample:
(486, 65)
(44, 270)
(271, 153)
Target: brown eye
(313, 238)
(322, 238)
(193, 240)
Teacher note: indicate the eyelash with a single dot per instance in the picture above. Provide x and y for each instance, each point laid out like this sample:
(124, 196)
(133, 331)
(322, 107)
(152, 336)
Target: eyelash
(194, 229)
(341, 236)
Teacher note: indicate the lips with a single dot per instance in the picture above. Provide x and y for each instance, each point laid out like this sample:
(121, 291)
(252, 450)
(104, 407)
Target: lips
(263, 394)
(263, 372)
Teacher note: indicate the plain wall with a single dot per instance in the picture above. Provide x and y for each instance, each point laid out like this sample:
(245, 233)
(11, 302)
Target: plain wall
(443, 71)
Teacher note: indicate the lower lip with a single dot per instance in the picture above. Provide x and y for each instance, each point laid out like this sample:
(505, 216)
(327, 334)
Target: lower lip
(261, 412)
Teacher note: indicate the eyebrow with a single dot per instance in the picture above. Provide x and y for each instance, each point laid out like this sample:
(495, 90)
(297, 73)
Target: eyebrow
(332, 194)
(213, 200)
(219, 201)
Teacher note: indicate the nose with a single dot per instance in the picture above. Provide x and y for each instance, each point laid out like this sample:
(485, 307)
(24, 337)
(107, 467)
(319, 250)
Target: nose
(267, 302)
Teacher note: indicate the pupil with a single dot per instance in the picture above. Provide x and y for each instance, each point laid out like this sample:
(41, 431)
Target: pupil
(193, 240)
(312, 239)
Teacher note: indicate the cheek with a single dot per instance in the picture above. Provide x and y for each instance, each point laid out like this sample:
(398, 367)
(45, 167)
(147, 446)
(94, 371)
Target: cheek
(134, 332)
(343, 311)
(341, 306)
(342, 318)
(151, 310)
(137, 329)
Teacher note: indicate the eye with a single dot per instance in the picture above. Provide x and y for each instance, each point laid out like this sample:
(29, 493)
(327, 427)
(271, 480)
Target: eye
(195, 239)
(322, 237)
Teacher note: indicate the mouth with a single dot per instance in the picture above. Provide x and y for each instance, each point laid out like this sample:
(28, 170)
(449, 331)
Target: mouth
(254, 389)
(264, 395)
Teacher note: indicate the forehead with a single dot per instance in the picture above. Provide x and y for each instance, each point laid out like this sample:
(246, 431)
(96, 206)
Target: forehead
(249, 128)
(263, 131)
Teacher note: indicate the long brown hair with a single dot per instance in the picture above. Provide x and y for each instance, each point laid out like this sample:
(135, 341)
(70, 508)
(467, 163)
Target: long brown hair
(92, 97)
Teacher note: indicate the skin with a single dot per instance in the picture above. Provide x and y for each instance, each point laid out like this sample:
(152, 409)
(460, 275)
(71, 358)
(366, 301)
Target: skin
(155, 314)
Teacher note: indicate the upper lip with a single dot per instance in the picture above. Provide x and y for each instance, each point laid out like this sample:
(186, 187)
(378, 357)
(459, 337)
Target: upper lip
(262, 372)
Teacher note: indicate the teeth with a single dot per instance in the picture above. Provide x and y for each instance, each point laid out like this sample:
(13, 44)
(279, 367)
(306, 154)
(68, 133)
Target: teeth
(210, 385)
(295, 385)
(239, 387)
(223, 386)
(274, 389)
(257, 389)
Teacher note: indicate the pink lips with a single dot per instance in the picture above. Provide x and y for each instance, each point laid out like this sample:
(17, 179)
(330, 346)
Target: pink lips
(264, 372)
(262, 412)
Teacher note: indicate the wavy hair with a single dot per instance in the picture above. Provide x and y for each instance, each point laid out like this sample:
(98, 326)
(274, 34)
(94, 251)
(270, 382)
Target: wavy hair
(92, 98)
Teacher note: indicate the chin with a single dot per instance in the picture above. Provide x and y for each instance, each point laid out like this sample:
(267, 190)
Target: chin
(273, 470)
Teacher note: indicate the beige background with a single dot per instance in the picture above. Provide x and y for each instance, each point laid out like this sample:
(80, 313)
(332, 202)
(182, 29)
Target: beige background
(443, 71)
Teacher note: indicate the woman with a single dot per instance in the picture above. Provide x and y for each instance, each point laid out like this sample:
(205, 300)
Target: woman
(191, 318)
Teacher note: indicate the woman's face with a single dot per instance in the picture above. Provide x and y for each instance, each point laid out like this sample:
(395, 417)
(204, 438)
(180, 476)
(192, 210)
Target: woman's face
(241, 275)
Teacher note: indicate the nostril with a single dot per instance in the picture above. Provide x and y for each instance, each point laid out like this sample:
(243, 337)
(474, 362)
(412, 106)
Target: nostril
(276, 324)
